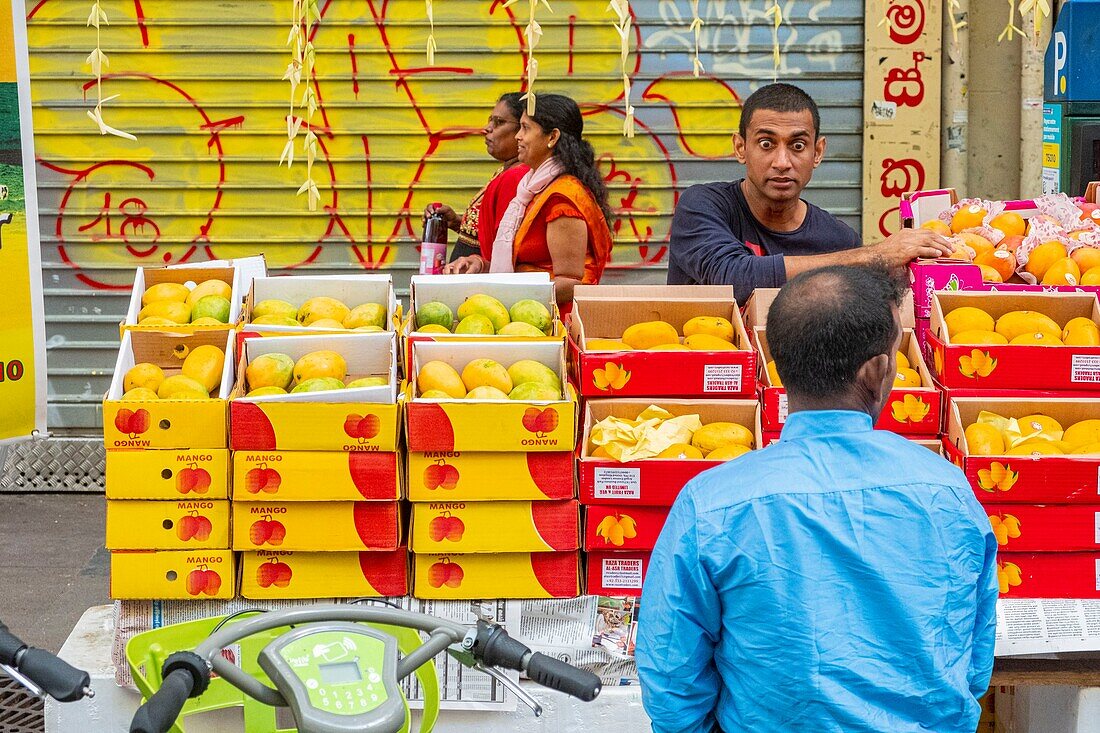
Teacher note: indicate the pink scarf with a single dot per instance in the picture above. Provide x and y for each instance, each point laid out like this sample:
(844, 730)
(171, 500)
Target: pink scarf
(531, 185)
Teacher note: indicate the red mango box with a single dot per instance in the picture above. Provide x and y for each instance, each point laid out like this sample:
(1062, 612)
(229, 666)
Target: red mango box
(503, 575)
(495, 526)
(474, 476)
(998, 367)
(268, 574)
(908, 411)
(316, 476)
(1044, 479)
(1049, 574)
(932, 444)
(1045, 528)
(606, 311)
(615, 573)
(318, 526)
(623, 527)
(653, 481)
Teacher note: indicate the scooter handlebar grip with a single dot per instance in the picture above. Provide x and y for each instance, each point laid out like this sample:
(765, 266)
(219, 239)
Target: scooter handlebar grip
(160, 711)
(557, 675)
(57, 677)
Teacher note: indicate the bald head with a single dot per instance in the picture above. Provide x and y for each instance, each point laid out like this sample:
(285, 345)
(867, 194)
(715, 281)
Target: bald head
(826, 324)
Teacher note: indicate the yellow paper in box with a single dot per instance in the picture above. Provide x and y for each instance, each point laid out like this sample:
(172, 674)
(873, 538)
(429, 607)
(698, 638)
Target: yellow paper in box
(167, 474)
(1013, 432)
(654, 430)
(167, 525)
(173, 575)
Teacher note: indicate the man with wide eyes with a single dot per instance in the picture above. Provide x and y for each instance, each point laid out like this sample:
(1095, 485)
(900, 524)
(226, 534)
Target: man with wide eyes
(757, 232)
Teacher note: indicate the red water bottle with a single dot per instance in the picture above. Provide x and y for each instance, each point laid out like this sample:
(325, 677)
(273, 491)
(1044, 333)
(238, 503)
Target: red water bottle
(433, 245)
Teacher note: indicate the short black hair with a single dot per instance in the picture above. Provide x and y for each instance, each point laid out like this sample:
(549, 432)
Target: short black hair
(515, 103)
(779, 98)
(826, 323)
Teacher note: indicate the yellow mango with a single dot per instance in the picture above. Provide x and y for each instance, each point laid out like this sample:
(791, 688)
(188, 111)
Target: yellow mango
(649, 334)
(172, 292)
(605, 345)
(210, 287)
(982, 439)
(204, 364)
(179, 386)
(1082, 433)
(706, 342)
(979, 338)
(967, 318)
(144, 375)
(681, 451)
(1017, 323)
(320, 364)
(487, 373)
(669, 347)
(173, 310)
(728, 452)
(710, 325)
(715, 435)
(439, 375)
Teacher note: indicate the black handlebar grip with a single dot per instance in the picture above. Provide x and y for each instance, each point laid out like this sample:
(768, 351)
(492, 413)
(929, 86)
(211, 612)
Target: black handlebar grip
(57, 677)
(10, 646)
(496, 648)
(160, 711)
(558, 675)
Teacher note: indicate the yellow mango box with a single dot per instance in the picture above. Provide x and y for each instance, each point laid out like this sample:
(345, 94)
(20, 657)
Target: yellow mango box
(461, 476)
(173, 575)
(356, 419)
(169, 423)
(279, 574)
(167, 474)
(495, 526)
(316, 476)
(510, 575)
(490, 425)
(167, 525)
(317, 526)
(351, 290)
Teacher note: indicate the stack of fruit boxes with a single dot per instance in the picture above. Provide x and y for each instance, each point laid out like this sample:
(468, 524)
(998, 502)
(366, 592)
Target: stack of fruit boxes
(1038, 483)
(167, 482)
(317, 474)
(626, 503)
(494, 513)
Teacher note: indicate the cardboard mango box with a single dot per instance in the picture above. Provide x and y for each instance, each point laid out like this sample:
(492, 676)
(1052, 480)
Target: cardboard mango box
(933, 444)
(453, 290)
(637, 527)
(615, 573)
(916, 411)
(495, 526)
(506, 575)
(177, 424)
(172, 575)
(1049, 574)
(464, 476)
(606, 311)
(267, 574)
(237, 274)
(167, 525)
(359, 419)
(653, 481)
(351, 290)
(316, 476)
(167, 474)
(1045, 528)
(1024, 479)
(317, 526)
(756, 308)
(993, 367)
(490, 425)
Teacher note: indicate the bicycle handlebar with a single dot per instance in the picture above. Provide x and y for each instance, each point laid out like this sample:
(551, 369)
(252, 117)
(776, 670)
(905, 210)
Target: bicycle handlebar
(495, 647)
(59, 679)
(159, 712)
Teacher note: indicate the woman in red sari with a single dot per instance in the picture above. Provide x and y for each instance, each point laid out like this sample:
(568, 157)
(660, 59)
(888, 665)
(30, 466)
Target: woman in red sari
(558, 221)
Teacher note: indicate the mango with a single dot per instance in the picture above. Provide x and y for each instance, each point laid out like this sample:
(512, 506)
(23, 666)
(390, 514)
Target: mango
(321, 365)
(486, 373)
(1042, 423)
(487, 306)
(476, 324)
(206, 321)
(521, 328)
(210, 287)
(1082, 433)
(144, 375)
(773, 374)
(275, 320)
(172, 310)
(441, 376)
(486, 392)
(204, 364)
(367, 314)
(668, 347)
(320, 307)
(318, 384)
(190, 394)
(369, 329)
(903, 361)
(266, 392)
(211, 306)
(270, 370)
(435, 313)
(140, 394)
(711, 325)
(532, 313)
(1087, 450)
(605, 345)
(172, 386)
(534, 392)
(983, 439)
(156, 321)
(1042, 338)
(431, 328)
(715, 435)
(1017, 323)
(529, 370)
(1036, 448)
(907, 378)
(328, 323)
(681, 451)
(968, 318)
(649, 334)
(977, 338)
(1081, 332)
(728, 452)
(171, 292)
(435, 394)
(706, 342)
(368, 382)
(274, 307)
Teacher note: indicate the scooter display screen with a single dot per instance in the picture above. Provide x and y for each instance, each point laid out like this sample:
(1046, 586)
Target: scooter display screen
(340, 673)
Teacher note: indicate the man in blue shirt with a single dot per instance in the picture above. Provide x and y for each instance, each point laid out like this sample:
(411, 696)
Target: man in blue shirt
(758, 231)
(842, 579)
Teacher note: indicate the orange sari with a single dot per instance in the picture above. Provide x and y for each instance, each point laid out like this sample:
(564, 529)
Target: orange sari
(567, 197)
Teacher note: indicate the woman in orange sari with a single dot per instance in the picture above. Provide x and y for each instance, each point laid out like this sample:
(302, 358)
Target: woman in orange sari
(558, 221)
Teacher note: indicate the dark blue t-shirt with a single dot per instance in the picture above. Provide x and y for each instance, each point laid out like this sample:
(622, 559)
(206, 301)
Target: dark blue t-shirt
(716, 240)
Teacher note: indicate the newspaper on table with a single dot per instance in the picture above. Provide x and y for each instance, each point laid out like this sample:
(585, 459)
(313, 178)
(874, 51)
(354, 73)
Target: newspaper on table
(1046, 626)
(591, 632)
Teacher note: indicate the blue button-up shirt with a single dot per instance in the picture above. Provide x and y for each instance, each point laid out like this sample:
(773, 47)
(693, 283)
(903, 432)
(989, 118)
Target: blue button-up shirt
(843, 579)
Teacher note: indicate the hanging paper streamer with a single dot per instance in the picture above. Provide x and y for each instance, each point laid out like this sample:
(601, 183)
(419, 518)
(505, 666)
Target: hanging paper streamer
(696, 28)
(431, 32)
(302, 65)
(98, 61)
(1040, 10)
(621, 8)
(776, 14)
(1010, 29)
(956, 24)
(533, 34)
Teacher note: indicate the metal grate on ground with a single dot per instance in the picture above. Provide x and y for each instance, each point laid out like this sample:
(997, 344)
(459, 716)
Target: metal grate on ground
(53, 465)
(20, 712)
